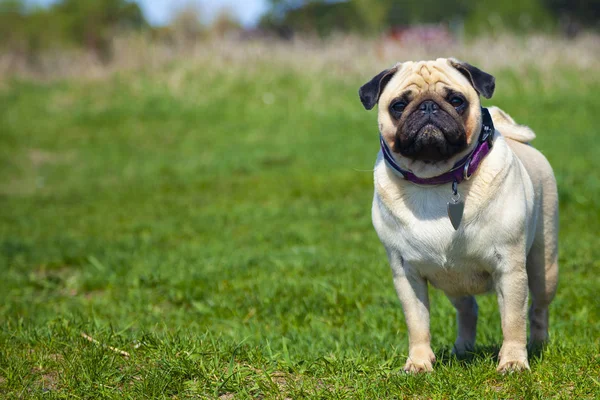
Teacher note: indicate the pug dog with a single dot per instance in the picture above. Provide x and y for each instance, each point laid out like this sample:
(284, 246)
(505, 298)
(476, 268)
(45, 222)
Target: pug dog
(464, 203)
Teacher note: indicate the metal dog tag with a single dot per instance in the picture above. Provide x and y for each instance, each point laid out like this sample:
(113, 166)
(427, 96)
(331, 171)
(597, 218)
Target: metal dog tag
(455, 211)
(455, 207)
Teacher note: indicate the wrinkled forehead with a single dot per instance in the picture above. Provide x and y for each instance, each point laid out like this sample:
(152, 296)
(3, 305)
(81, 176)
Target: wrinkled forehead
(424, 76)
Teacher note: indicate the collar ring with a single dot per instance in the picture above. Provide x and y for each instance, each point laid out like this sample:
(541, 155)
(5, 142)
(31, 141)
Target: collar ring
(466, 174)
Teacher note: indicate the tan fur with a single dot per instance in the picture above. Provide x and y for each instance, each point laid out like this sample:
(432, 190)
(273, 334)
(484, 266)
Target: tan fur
(507, 240)
(427, 77)
(509, 128)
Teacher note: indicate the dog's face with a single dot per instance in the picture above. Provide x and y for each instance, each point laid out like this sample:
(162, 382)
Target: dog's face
(429, 111)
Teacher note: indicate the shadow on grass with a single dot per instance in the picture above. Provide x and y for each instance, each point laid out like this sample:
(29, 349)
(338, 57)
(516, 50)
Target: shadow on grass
(444, 355)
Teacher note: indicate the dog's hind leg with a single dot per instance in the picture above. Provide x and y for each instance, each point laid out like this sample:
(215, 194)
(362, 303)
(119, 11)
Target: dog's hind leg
(466, 319)
(542, 267)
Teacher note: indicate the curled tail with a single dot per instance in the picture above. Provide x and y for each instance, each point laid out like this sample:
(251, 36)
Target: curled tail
(509, 128)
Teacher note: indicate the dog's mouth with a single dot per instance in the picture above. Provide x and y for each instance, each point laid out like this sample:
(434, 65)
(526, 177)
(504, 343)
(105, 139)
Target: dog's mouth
(429, 146)
(429, 141)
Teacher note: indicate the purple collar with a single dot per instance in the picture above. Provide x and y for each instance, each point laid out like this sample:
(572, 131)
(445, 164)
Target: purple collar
(462, 170)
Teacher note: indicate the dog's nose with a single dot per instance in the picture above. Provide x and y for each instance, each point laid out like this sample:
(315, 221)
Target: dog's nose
(429, 107)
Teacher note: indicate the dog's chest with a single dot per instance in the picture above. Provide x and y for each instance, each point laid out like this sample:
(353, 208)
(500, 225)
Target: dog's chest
(435, 242)
(458, 262)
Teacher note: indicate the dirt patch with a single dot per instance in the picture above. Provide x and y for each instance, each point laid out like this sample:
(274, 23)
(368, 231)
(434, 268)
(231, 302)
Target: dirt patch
(39, 157)
(46, 380)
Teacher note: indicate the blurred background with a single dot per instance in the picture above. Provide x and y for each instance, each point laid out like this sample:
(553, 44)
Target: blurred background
(32, 31)
(190, 182)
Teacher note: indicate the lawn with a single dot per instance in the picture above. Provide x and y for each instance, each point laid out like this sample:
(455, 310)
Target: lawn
(215, 226)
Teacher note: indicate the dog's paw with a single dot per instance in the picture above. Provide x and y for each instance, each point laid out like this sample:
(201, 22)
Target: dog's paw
(537, 340)
(536, 346)
(418, 366)
(421, 359)
(513, 358)
(462, 347)
(512, 366)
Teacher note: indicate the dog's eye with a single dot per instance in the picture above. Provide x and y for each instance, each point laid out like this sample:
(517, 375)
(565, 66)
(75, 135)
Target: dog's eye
(398, 106)
(456, 101)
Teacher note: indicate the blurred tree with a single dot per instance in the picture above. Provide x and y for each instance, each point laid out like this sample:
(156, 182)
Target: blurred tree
(77, 23)
(93, 23)
(324, 18)
(321, 16)
(224, 23)
(427, 11)
(374, 13)
(573, 14)
(493, 16)
(12, 16)
(366, 16)
(281, 7)
(375, 16)
(186, 25)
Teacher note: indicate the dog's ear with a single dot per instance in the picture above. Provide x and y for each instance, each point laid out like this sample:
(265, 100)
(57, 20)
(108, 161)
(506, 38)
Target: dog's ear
(369, 92)
(483, 82)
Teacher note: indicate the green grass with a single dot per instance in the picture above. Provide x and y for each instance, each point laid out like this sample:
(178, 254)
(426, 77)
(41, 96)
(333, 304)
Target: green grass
(226, 243)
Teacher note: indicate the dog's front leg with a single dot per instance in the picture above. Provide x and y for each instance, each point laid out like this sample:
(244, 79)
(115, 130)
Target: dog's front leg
(512, 291)
(412, 291)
